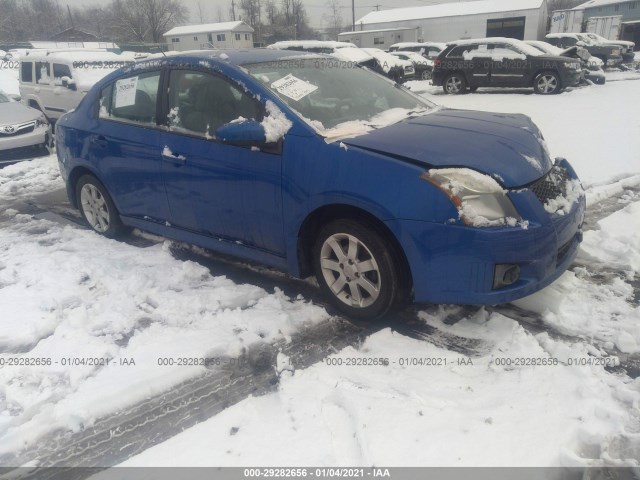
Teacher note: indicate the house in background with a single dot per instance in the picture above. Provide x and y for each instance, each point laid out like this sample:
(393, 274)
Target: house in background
(211, 35)
(521, 19)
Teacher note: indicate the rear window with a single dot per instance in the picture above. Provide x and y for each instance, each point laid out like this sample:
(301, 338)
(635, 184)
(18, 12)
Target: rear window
(26, 72)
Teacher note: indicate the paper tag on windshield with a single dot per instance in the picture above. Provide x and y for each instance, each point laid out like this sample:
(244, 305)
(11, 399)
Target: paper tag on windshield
(293, 87)
(126, 92)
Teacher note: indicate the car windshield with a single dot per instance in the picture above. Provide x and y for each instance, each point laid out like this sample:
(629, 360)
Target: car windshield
(336, 97)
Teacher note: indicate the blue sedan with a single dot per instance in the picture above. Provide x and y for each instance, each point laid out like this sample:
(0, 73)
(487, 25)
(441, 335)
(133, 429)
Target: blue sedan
(320, 167)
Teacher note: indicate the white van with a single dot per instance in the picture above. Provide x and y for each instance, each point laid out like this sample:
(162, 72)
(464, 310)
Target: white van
(54, 81)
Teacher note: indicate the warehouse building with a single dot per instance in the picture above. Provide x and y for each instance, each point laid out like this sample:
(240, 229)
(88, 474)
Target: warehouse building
(383, 38)
(612, 19)
(211, 35)
(522, 19)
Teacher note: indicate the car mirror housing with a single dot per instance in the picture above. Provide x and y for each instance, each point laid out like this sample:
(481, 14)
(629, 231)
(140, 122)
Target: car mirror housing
(242, 133)
(68, 83)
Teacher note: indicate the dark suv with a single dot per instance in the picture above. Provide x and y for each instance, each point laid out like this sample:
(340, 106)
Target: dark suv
(502, 62)
(611, 55)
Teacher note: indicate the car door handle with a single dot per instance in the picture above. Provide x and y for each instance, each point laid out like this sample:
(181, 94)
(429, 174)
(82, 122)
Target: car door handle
(167, 154)
(99, 141)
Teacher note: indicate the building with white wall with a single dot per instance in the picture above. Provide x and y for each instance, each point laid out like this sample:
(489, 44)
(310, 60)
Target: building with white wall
(521, 19)
(383, 38)
(211, 35)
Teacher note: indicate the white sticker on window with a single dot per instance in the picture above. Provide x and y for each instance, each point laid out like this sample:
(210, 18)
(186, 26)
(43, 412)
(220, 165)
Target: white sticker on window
(293, 87)
(126, 92)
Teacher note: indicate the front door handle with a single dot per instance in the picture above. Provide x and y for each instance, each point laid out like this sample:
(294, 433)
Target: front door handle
(175, 157)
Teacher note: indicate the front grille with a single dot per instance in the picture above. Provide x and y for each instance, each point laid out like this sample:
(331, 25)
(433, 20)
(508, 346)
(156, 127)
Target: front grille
(552, 185)
(13, 130)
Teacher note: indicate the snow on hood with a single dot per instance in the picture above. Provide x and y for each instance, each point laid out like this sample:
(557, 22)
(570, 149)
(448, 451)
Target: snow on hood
(12, 113)
(351, 54)
(387, 61)
(360, 127)
(505, 146)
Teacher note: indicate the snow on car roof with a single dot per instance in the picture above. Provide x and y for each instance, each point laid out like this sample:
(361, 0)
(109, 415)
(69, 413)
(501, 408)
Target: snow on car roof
(402, 45)
(448, 10)
(310, 44)
(387, 61)
(74, 55)
(545, 47)
(523, 47)
(352, 54)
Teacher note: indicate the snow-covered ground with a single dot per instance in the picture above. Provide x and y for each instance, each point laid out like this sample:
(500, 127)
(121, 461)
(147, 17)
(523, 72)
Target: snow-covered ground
(67, 293)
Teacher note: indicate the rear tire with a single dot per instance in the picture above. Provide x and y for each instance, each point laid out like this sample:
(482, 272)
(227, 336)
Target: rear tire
(356, 269)
(97, 208)
(454, 84)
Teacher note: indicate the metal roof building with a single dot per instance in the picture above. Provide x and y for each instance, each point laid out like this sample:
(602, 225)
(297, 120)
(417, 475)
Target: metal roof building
(522, 19)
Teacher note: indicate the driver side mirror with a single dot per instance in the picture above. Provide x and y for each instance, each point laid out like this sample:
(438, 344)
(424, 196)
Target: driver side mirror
(68, 83)
(243, 133)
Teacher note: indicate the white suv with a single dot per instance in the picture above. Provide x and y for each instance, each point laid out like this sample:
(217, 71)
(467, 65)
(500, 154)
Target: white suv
(54, 81)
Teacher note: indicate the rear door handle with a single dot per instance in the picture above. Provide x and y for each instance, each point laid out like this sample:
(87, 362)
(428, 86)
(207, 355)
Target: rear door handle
(99, 141)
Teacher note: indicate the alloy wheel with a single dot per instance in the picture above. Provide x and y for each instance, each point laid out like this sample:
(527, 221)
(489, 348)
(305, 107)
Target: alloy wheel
(95, 207)
(350, 270)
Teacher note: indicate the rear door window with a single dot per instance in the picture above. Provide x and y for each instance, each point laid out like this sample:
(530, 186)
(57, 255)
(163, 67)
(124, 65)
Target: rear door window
(131, 99)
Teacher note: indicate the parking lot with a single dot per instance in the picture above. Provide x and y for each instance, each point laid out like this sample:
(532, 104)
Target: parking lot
(121, 329)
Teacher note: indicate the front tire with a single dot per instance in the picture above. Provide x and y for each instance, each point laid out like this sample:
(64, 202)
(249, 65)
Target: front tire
(454, 84)
(427, 75)
(356, 269)
(547, 83)
(97, 208)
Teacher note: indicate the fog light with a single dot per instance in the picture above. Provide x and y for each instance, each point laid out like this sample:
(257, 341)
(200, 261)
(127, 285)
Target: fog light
(505, 274)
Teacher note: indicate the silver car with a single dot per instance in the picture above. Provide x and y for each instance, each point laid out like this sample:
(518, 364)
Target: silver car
(21, 127)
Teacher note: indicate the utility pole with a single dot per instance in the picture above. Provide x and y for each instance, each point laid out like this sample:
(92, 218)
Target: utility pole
(233, 10)
(353, 15)
(70, 17)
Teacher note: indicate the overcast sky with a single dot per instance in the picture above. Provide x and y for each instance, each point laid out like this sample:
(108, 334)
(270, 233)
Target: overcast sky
(316, 9)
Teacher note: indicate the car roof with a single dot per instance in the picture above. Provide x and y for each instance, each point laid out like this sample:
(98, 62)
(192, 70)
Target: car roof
(233, 56)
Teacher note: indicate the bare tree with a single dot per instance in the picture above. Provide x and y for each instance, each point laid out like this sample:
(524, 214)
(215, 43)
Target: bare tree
(334, 18)
(219, 14)
(200, 12)
(147, 20)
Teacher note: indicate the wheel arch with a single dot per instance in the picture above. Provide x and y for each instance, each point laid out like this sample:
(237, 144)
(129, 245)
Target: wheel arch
(543, 70)
(319, 217)
(72, 181)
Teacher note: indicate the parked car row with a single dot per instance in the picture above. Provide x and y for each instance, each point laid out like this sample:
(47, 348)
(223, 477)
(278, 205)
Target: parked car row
(391, 66)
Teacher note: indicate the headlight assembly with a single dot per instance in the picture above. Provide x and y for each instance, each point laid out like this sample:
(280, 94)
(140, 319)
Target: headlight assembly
(479, 199)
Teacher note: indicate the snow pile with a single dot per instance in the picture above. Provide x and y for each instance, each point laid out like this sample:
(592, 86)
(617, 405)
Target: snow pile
(562, 204)
(275, 124)
(67, 292)
(425, 400)
(616, 242)
(39, 175)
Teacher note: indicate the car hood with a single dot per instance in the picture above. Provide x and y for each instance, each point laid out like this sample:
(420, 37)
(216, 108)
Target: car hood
(13, 113)
(619, 42)
(507, 146)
